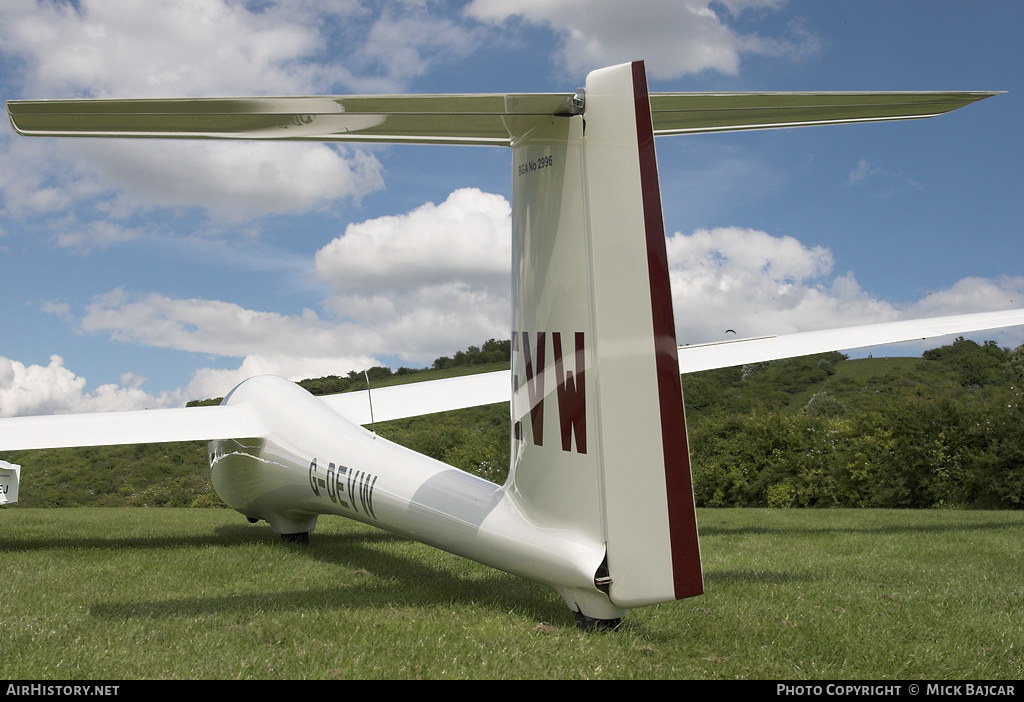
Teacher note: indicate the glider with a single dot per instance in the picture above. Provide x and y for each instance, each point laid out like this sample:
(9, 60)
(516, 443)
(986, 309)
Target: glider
(9, 475)
(598, 504)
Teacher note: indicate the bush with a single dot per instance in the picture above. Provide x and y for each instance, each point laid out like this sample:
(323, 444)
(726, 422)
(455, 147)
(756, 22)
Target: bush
(825, 405)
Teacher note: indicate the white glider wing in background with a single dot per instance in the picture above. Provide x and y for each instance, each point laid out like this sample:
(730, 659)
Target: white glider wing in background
(735, 352)
(599, 502)
(429, 397)
(417, 399)
(130, 427)
(234, 421)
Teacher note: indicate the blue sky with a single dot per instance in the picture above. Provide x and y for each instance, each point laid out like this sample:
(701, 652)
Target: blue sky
(148, 273)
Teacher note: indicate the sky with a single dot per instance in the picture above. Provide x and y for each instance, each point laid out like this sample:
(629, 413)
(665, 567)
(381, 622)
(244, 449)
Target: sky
(142, 274)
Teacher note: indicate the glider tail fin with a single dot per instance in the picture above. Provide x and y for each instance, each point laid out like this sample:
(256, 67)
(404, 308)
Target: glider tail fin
(599, 435)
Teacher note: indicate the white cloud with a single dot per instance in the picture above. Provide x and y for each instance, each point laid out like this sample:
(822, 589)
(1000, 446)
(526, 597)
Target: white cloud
(754, 283)
(674, 37)
(27, 181)
(973, 294)
(862, 171)
(96, 235)
(403, 43)
(890, 183)
(416, 286)
(53, 389)
(233, 180)
(216, 327)
(429, 281)
(215, 382)
(195, 48)
(152, 48)
(149, 48)
(292, 346)
(466, 238)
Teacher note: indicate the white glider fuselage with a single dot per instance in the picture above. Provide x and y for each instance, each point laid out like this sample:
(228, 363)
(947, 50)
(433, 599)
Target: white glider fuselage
(315, 462)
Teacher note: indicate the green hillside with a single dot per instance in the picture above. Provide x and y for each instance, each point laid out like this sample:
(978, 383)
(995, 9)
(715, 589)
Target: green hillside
(943, 430)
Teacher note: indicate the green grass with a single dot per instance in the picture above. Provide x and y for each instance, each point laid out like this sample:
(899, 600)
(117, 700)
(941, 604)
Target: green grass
(791, 594)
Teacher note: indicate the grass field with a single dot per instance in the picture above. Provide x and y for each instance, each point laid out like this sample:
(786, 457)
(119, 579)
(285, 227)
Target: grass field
(791, 594)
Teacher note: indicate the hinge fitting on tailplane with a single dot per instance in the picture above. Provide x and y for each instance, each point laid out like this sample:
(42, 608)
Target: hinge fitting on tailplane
(602, 579)
(579, 100)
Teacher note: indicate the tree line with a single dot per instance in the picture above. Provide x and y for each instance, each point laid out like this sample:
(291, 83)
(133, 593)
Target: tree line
(946, 430)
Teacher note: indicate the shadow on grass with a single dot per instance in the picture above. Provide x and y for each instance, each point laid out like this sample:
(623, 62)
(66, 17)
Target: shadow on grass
(234, 535)
(373, 574)
(370, 595)
(380, 571)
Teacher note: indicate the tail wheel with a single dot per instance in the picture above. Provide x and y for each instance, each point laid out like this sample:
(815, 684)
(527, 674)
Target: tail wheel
(585, 623)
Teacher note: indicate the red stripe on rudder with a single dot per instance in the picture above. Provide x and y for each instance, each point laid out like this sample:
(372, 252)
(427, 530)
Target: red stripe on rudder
(686, 569)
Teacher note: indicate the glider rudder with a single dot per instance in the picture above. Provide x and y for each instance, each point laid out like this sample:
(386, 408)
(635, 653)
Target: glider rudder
(599, 434)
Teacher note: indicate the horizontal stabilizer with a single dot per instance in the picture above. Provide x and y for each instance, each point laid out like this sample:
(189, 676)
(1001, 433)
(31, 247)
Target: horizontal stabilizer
(724, 354)
(689, 113)
(485, 119)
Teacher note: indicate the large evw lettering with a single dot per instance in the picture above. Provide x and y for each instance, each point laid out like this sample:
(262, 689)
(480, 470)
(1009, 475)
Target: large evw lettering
(570, 385)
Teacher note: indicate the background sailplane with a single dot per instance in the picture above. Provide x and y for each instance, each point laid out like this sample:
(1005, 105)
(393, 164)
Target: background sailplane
(598, 504)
